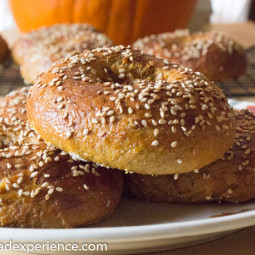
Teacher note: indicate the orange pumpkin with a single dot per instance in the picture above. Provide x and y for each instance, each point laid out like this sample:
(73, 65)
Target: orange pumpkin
(123, 21)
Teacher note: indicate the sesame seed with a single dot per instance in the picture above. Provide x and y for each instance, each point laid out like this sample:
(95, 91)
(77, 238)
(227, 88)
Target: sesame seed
(174, 144)
(161, 121)
(34, 174)
(7, 180)
(156, 132)
(130, 110)
(147, 115)
(147, 106)
(155, 143)
(59, 99)
(154, 122)
(144, 123)
(26, 193)
(179, 161)
(20, 192)
(217, 127)
(9, 155)
(121, 76)
(121, 95)
(45, 184)
(32, 194)
(50, 191)
(111, 112)
(112, 119)
(31, 168)
(59, 189)
(15, 185)
(65, 114)
(204, 107)
(85, 131)
(19, 181)
(69, 134)
(60, 106)
(85, 186)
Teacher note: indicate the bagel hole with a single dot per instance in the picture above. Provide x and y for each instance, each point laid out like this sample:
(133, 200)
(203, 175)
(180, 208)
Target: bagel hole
(113, 68)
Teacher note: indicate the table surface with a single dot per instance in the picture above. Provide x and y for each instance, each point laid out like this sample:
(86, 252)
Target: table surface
(242, 242)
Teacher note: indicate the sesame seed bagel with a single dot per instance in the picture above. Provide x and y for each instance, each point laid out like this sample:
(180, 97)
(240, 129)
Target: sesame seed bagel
(231, 178)
(4, 50)
(131, 111)
(38, 50)
(213, 53)
(42, 186)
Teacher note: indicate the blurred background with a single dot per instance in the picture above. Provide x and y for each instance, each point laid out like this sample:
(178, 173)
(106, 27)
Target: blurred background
(206, 11)
(197, 15)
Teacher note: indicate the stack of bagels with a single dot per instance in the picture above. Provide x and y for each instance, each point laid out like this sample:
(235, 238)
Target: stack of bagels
(111, 113)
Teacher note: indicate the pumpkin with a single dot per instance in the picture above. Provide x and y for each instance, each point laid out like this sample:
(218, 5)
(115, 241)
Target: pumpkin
(124, 21)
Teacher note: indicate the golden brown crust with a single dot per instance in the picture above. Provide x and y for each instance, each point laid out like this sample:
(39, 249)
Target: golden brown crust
(213, 53)
(39, 49)
(130, 111)
(4, 50)
(231, 178)
(43, 187)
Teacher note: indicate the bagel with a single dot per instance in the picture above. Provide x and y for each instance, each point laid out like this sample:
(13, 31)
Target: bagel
(213, 53)
(4, 50)
(231, 178)
(39, 49)
(43, 187)
(123, 109)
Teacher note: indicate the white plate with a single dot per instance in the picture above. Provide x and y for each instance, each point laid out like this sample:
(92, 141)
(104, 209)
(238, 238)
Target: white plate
(139, 226)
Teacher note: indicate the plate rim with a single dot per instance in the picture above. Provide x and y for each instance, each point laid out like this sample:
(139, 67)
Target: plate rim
(135, 233)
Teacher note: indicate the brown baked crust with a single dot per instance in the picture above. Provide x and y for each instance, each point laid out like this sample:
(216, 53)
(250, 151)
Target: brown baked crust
(4, 50)
(43, 187)
(213, 53)
(38, 50)
(134, 112)
(231, 178)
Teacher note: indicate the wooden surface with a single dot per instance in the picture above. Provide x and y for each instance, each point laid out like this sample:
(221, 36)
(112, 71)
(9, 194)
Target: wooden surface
(242, 242)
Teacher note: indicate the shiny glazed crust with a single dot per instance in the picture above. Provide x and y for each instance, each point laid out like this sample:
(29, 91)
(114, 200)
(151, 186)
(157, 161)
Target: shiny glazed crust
(4, 50)
(231, 178)
(38, 50)
(43, 187)
(122, 109)
(213, 53)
